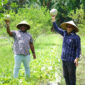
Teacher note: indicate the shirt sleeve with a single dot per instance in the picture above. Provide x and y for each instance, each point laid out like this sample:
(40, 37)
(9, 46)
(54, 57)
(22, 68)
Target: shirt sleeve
(78, 47)
(31, 39)
(57, 29)
(13, 33)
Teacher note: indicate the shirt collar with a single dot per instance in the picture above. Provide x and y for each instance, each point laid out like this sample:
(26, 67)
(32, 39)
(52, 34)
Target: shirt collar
(72, 33)
(22, 32)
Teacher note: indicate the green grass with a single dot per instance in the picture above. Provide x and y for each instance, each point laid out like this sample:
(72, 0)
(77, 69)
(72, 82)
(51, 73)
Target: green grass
(44, 69)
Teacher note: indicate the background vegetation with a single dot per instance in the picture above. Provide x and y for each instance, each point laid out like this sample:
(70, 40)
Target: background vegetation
(47, 66)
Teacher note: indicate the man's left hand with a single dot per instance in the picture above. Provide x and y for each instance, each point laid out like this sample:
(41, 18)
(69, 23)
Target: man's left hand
(34, 56)
(76, 61)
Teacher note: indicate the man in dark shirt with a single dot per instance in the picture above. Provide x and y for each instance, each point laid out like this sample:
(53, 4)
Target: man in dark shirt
(70, 50)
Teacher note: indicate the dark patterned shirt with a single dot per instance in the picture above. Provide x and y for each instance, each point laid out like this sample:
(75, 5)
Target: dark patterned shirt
(21, 42)
(71, 48)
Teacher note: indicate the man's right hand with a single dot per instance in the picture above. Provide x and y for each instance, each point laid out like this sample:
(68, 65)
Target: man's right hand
(53, 18)
(8, 27)
(7, 22)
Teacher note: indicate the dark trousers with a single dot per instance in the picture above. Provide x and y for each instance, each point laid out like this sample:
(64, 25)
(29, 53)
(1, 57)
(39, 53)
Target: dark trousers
(69, 72)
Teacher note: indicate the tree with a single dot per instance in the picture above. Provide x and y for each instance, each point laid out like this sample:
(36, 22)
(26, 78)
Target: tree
(63, 6)
(2, 3)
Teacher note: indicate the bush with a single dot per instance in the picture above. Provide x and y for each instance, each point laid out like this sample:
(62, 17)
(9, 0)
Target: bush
(78, 17)
(39, 19)
(81, 29)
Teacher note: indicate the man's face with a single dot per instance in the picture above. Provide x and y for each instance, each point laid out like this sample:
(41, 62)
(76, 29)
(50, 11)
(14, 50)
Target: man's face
(23, 28)
(69, 28)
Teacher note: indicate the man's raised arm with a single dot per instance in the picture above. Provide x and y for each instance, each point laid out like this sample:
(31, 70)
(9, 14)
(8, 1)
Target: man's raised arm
(8, 28)
(56, 28)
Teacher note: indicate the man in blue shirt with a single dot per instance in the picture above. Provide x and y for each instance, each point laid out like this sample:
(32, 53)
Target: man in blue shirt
(70, 50)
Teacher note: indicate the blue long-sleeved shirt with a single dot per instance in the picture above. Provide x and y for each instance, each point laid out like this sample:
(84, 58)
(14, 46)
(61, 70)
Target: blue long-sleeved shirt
(71, 48)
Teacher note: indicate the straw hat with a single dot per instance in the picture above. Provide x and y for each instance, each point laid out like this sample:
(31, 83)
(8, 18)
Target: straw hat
(63, 25)
(23, 23)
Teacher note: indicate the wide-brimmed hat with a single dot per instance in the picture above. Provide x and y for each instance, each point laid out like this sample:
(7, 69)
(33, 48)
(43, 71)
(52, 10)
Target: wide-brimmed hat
(23, 23)
(64, 25)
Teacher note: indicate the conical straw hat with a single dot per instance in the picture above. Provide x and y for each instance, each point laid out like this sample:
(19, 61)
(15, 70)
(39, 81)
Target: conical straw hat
(63, 25)
(23, 23)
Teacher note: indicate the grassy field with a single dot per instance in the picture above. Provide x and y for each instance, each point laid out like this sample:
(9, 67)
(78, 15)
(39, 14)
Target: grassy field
(46, 68)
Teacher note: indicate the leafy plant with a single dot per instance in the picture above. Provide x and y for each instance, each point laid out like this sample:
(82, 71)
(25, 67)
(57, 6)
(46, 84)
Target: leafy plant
(38, 18)
(78, 17)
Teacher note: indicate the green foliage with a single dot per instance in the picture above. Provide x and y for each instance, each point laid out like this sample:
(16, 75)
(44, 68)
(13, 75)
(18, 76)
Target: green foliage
(39, 19)
(63, 6)
(78, 17)
(44, 69)
(2, 3)
(81, 29)
(14, 5)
